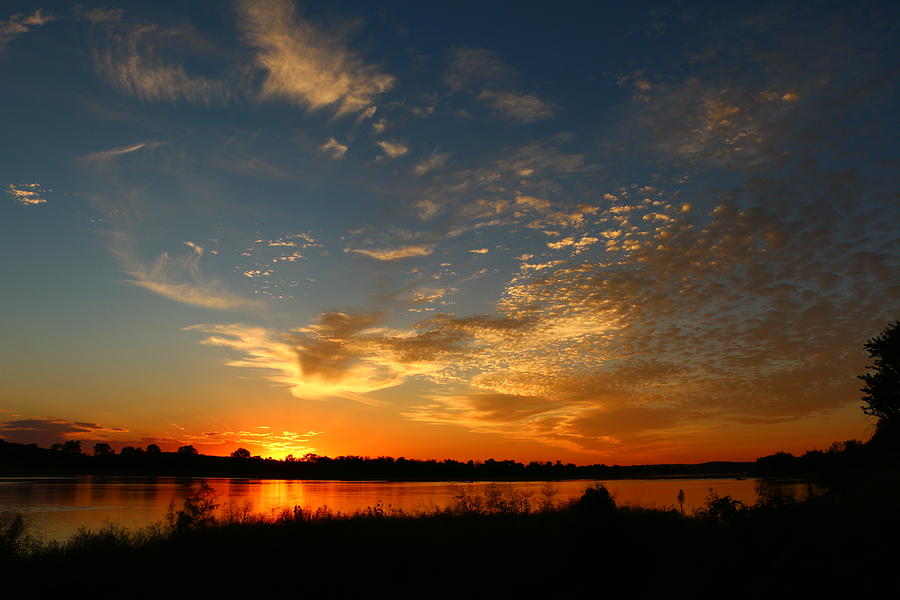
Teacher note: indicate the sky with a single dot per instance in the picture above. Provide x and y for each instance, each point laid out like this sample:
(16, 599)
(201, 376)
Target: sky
(596, 232)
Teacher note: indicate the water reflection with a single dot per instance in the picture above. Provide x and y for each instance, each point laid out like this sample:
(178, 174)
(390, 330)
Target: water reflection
(59, 506)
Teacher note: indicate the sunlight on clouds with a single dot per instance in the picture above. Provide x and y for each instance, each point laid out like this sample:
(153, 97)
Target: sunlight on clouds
(334, 148)
(388, 254)
(326, 359)
(180, 279)
(19, 24)
(435, 161)
(496, 85)
(525, 108)
(106, 155)
(393, 149)
(133, 63)
(277, 445)
(98, 14)
(305, 65)
(27, 194)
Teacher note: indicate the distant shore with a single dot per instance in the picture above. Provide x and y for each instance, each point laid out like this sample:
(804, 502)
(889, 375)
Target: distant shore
(24, 460)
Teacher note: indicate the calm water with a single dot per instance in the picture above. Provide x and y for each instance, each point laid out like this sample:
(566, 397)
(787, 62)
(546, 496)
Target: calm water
(60, 506)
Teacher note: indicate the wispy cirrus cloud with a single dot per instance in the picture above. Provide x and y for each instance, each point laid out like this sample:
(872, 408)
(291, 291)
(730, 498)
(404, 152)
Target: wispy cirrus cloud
(516, 106)
(180, 279)
(19, 24)
(103, 156)
(133, 62)
(305, 65)
(495, 84)
(98, 14)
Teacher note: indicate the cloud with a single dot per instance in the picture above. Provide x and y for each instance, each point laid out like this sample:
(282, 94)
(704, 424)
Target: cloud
(393, 149)
(475, 65)
(27, 194)
(430, 295)
(483, 412)
(46, 431)
(105, 155)
(98, 14)
(133, 63)
(271, 443)
(395, 253)
(19, 24)
(181, 280)
(333, 148)
(322, 360)
(494, 83)
(525, 108)
(305, 65)
(628, 420)
(529, 172)
(435, 161)
(349, 355)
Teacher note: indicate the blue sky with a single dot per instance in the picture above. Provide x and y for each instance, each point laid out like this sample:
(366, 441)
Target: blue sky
(600, 232)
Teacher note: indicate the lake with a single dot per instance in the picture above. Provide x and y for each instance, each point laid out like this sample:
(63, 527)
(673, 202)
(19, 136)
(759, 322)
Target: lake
(58, 506)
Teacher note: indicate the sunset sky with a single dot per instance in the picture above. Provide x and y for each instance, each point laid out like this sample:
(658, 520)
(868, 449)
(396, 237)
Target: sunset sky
(592, 232)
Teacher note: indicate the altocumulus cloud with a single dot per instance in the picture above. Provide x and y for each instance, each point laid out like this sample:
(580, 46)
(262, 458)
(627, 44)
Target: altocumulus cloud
(27, 194)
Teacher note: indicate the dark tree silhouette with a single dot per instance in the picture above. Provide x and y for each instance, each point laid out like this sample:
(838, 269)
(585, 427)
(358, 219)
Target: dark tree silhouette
(153, 449)
(72, 447)
(881, 394)
(187, 450)
(241, 453)
(102, 449)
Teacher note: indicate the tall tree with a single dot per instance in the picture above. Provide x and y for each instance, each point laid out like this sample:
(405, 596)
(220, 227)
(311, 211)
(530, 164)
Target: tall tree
(881, 394)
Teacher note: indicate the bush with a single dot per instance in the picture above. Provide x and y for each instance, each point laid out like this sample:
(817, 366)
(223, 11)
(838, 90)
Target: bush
(721, 509)
(15, 541)
(197, 513)
(596, 499)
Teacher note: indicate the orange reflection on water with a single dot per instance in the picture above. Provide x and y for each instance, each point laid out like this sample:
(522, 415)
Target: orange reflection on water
(60, 506)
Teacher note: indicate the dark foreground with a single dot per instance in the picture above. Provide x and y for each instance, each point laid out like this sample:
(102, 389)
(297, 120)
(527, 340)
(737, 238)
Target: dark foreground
(845, 536)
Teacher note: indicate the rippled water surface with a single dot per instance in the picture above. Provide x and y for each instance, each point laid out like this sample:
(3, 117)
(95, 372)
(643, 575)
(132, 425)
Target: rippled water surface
(57, 507)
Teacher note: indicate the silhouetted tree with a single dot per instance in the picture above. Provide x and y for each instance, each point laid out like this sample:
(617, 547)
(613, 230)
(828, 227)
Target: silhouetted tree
(153, 449)
(130, 451)
(241, 453)
(102, 449)
(72, 447)
(881, 394)
(197, 511)
(596, 499)
(187, 451)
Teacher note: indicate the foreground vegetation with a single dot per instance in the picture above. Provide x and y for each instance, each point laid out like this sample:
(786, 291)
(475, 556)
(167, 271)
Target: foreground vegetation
(502, 537)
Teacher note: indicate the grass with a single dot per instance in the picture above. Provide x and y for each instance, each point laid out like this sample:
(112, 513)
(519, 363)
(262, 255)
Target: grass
(501, 535)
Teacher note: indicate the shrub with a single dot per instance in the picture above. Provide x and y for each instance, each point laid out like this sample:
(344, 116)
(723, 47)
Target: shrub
(15, 540)
(596, 499)
(721, 509)
(197, 513)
